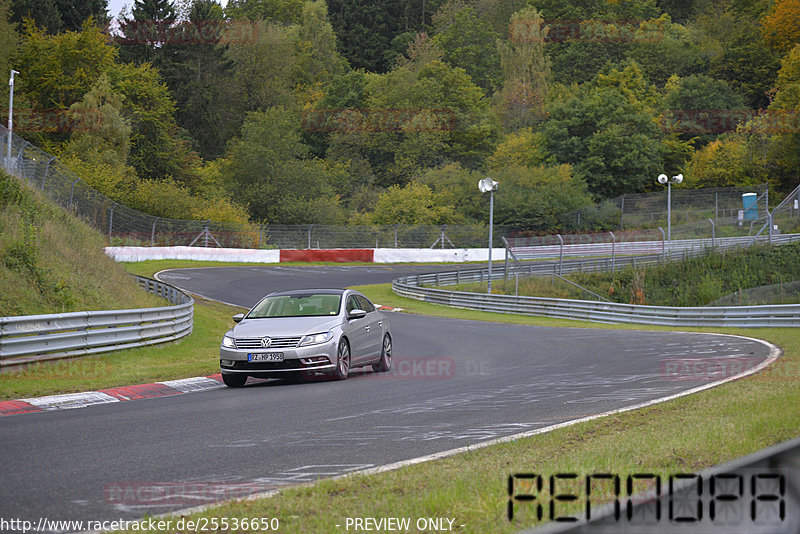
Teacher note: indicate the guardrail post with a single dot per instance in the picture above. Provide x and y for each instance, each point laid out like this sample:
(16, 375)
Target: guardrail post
(663, 244)
(560, 253)
(713, 232)
(613, 252)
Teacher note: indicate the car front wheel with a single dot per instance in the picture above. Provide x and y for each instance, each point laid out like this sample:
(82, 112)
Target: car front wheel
(342, 361)
(234, 381)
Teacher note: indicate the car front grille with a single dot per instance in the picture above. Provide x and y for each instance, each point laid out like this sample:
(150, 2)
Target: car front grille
(276, 343)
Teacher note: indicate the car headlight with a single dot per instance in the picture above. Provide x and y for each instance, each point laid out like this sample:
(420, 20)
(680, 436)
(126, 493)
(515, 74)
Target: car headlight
(316, 339)
(228, 342)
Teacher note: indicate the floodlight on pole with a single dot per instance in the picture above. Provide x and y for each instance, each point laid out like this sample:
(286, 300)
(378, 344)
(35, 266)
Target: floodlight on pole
(487, 185)
(664, 179)
(10, 116)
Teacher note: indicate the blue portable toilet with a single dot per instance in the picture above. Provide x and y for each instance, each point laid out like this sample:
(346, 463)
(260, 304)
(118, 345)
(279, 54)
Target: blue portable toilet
(750, 205)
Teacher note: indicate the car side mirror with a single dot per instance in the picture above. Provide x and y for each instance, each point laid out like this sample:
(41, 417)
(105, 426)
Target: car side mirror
(356, 314)
(238, 317)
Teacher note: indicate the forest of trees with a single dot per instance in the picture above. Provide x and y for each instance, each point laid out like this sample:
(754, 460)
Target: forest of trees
(390, 111)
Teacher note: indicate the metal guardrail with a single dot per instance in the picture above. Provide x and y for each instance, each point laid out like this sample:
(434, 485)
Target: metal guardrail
(417, 287)
(29, 338)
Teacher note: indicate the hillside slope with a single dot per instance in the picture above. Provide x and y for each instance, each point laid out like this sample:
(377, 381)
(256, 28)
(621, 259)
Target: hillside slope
(51, 262)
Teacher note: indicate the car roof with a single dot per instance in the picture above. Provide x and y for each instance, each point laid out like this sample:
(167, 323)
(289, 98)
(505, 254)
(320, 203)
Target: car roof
(309, 292)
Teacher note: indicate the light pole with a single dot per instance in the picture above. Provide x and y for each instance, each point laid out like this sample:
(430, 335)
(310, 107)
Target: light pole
(664, 179)
(10, 116)
(487, 185)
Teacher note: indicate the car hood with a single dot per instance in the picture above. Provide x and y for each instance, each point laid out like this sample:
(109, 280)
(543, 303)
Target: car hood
(284, 326)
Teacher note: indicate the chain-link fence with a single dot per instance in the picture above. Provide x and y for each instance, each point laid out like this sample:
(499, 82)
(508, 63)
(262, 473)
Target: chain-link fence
(707, 213)
(649, 210)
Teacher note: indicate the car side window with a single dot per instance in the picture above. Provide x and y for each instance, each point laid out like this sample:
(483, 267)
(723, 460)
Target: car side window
(365, 304)
(352, 304)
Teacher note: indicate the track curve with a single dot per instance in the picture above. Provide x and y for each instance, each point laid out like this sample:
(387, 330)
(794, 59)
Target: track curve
(455, 383)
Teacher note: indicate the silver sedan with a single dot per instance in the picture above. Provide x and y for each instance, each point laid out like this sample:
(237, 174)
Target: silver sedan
(290, 334)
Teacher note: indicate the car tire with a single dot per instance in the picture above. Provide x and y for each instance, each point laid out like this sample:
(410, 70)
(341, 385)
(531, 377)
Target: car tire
(234, 381)
(385, 363)
(342, 361)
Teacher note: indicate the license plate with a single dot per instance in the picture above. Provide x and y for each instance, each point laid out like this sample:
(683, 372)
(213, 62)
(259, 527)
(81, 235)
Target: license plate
(265, 357)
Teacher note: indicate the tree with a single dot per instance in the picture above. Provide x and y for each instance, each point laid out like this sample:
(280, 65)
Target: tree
(366, 28)
(470, 43)
(698, 104)
(737, 53)
(610, 140)
(662, 49)
(781, 26)
(721, 163)
(60, 69)
(196, 71)
(413, 204)
(9, 42)
(269, 172)
(55, 16)
(535, 198)
(523, 148)
(526, 69)
(262, 71)
(315, 45)
(270, 11)
(157, 150)
(147, 32)
(437, 114)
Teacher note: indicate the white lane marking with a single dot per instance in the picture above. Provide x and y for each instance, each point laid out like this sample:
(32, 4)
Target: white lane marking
(71, 400)
(198, 383)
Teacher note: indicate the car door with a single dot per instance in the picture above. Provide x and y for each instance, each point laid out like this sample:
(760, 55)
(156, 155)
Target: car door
(374, 341)
(357, 331)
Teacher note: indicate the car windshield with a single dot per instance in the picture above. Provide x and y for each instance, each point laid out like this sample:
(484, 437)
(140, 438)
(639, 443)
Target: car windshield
(302, 305)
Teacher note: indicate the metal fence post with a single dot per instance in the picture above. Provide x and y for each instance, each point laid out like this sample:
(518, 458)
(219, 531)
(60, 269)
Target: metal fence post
(153, 233)
(395, 236)
(110, 223)
(769, 218)
(713, 232)
(663, 244)
(309, 235)
(560, 253)
(72, 191)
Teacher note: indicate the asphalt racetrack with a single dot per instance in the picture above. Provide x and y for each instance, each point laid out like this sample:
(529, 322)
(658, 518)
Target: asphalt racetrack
(454, 383)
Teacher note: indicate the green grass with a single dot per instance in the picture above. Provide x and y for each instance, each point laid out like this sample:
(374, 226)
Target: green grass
(51, 262)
